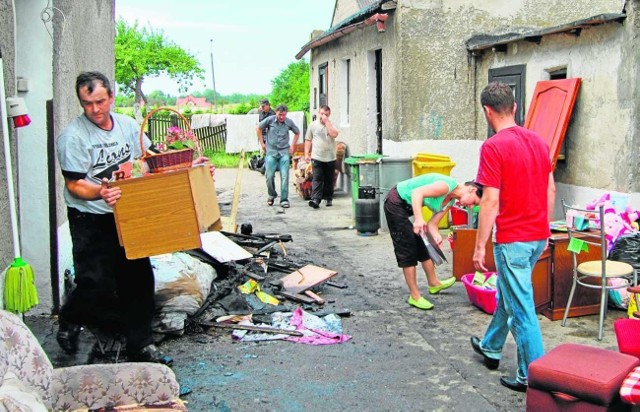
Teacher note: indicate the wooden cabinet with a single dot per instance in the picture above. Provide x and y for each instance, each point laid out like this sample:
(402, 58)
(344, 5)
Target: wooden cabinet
(586, 301)
(166, 212)
(464, 240)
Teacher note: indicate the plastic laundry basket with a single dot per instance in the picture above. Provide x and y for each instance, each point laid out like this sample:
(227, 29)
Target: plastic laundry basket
(483, 298)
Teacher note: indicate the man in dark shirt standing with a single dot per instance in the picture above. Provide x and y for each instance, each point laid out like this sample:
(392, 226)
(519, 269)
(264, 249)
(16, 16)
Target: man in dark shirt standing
(264, 112)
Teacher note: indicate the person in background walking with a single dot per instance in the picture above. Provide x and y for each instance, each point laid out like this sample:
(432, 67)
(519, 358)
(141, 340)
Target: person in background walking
(264, 111)
(519, 193)
(278, 152)
(321, 137)
(437, 192)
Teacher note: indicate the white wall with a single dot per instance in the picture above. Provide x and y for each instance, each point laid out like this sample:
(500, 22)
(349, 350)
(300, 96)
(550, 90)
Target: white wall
(464, 153)
(241, 131)
(33, 61)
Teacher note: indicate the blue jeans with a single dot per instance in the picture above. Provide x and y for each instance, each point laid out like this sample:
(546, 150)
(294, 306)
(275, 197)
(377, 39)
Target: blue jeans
(281, 162)
(515, 311)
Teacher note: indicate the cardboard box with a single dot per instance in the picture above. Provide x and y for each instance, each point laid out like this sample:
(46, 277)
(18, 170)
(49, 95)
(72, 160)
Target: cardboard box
(166, 212)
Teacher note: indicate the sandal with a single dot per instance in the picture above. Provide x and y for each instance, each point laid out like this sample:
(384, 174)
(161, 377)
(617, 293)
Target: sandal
(270, 201)
(284, 204)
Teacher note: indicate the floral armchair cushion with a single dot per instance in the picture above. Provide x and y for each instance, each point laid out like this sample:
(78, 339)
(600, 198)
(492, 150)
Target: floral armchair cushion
(83, 387)
(110, 385)
(22, 355)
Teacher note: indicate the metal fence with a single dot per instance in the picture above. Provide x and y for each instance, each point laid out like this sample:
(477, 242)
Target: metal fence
(209, 138)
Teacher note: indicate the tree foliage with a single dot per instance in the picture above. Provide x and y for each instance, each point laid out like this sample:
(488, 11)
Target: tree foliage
(291, 87)
(142, 52)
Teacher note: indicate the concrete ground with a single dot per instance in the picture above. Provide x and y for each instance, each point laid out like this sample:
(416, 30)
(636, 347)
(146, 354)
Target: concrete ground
(399, 359)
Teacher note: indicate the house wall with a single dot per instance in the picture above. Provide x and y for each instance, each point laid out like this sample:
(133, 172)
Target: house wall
(602, 139)
(360, 131)
(34, 54)
(429, 81)
(83, 41)
(437, 79)
(8, 68)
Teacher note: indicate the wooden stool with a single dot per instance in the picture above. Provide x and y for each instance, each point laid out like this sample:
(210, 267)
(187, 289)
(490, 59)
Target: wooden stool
(574, 377)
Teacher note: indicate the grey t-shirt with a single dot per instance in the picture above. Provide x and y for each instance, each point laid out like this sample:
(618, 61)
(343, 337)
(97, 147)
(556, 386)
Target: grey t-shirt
(278, 134)
(323, 146)
(87, 152)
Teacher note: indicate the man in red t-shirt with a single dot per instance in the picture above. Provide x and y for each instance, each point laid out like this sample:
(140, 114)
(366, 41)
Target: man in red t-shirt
(519, 193)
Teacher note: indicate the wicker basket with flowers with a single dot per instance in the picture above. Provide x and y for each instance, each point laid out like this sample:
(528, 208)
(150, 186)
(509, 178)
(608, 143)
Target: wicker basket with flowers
(176, 151)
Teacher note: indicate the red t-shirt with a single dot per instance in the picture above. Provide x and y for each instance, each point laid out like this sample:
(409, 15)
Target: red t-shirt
(516, 161)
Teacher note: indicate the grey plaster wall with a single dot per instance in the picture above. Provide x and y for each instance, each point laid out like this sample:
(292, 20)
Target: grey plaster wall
(429, 81)
(437, 77)
(8, 63)
(602, 139)
(83, 41)
(359, 46)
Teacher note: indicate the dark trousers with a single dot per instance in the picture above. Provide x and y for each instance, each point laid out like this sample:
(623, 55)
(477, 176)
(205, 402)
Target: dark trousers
(112, 293)
(323, 176)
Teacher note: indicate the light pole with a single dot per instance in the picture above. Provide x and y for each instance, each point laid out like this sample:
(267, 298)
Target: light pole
(213, 77)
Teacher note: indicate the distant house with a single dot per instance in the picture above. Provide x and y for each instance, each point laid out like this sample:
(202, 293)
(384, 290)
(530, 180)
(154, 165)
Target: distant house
(191, 101)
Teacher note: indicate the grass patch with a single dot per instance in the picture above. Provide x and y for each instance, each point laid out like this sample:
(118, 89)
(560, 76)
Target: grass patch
(227, 160)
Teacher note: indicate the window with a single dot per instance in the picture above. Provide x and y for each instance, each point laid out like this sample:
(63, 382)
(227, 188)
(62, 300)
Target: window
(323, 83)
(345, 91)
(514, 76)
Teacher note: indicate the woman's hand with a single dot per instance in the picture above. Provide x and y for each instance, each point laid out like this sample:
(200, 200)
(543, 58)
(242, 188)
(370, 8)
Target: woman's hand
(437, 238)
(419, 225)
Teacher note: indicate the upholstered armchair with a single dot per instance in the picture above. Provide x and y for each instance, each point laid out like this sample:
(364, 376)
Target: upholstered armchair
(28, 381)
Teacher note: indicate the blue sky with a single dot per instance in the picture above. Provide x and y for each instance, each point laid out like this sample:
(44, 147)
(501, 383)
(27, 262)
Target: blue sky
(253, 41)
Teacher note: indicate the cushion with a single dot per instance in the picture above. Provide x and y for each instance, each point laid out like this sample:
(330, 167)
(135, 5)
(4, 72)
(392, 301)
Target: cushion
(630, 389)
(175, 405)
(585, 372)
(15, 397)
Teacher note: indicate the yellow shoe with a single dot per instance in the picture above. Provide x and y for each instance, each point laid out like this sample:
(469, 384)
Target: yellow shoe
(421, 303)
(445, 284)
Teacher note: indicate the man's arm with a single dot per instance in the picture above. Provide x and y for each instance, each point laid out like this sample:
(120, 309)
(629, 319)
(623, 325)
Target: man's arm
(551, 196)
(82, 189)
(331, 129)
(489, 205)
(260, 138)
(294, 143)
(308, 144)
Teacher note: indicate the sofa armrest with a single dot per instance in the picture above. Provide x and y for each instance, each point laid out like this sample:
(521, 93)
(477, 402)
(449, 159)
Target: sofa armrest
(108, 385)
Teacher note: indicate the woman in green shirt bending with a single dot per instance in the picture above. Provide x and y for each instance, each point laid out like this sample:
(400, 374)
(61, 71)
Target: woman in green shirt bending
(437, 192)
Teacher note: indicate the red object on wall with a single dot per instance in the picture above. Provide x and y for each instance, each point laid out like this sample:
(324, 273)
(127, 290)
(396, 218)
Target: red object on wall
(550, 112)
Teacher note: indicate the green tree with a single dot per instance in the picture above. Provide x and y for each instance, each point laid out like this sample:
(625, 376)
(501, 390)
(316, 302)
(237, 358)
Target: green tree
(291, 87)
(157, 98)
(142, 52)
(124, 100)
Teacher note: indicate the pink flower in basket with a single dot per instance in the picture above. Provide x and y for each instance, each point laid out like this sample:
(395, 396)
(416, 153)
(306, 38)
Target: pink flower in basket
(179, 139)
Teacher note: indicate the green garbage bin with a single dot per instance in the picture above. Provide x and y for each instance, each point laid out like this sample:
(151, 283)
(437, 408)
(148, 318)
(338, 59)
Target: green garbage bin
(392, 171)
(364, 172)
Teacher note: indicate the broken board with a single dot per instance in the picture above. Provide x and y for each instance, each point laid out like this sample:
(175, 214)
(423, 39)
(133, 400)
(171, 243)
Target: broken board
(305, 278)
(221, 248)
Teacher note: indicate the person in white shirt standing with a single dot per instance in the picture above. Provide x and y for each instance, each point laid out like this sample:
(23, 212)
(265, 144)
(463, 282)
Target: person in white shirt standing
(321, 136)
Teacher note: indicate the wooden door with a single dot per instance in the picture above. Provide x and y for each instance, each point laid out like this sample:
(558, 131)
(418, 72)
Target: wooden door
(550, 111)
